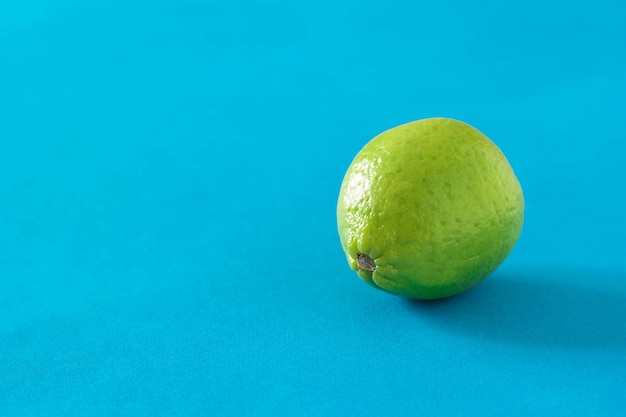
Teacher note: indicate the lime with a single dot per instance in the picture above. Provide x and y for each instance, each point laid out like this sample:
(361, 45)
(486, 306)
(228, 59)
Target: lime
(428, 209)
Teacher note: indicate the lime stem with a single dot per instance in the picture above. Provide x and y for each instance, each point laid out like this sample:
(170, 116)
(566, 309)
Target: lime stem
(365, 262)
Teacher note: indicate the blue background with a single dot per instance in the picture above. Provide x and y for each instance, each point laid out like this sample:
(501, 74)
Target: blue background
(168, 179)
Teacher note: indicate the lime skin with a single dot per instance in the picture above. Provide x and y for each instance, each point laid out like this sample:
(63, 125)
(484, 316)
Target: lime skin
(429, 209)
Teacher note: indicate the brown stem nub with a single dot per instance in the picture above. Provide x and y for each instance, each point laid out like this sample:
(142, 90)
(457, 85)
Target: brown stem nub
(365, 262)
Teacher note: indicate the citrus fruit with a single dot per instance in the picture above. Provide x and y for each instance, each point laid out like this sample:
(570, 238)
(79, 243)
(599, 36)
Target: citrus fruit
(428, 209)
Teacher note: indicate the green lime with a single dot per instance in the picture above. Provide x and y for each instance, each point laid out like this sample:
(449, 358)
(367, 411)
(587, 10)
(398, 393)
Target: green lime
(428, 209)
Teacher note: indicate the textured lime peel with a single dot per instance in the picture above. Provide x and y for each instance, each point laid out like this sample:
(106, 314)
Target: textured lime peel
(428, 209)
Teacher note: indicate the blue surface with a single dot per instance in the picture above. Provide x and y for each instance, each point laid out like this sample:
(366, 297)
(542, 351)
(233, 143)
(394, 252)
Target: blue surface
(168, 178)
